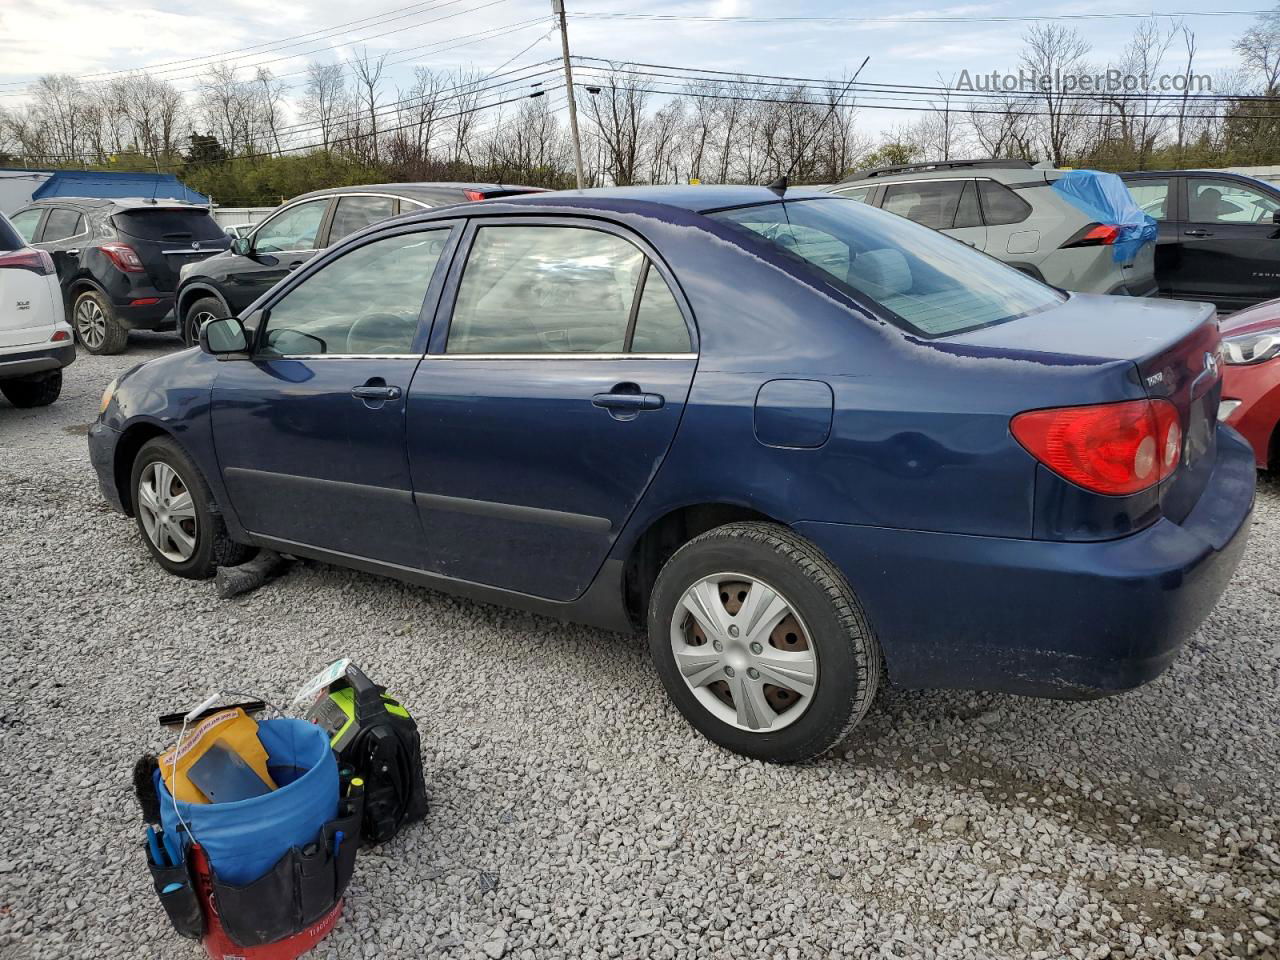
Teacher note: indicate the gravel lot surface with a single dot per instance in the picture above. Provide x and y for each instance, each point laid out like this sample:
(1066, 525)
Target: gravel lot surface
(574, 814)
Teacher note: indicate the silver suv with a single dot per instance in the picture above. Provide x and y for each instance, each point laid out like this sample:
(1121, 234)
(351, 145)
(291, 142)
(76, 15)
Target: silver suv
(1010, 210)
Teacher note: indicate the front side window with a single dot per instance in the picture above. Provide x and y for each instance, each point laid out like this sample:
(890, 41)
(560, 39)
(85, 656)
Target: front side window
(26, 222)
(1227, 201)
(931, 204)
(925, 282)
(546, 289)
(356, 213)
(365, 302)
(62, 223)
(292, 229)
(1152, 196)
(861, 194)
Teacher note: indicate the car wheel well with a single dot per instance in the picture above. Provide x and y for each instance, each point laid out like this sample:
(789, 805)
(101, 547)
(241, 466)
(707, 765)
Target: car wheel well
(664, 537)
(78, 287)
(1273, 452)
(127, 448)
(190, 296)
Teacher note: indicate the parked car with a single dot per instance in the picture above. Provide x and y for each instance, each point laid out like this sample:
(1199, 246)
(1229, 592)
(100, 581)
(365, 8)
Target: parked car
(801, 441)
(35, 340)
(1251, 379)
(1009, 209)
(1219, 234)
(118, 260)
(293, 234)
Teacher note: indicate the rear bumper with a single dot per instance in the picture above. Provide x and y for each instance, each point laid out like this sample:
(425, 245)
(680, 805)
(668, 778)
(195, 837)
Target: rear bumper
(29, 362)
(144, 316)
(1047, 618)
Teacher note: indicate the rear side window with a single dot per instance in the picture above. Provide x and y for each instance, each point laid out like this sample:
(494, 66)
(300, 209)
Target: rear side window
(10, 239)
(1152, 196)
(26, 222)
(168, 225)
(861, 194)
(62, 223)
(1000, 205)
(659, 325)
(968, 214)
(923, 281)
(544, 289)
(356, 213)
(932, 204)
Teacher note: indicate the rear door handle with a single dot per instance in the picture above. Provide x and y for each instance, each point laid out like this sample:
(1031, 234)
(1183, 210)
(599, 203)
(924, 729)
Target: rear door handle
(1198, 233)
(629, 401)
(72, 253)
(375, 392)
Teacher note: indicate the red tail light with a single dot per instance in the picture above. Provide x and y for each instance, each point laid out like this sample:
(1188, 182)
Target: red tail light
(37, 261)
(1111, 448)
(474, 194)
(123, 256)
(59, 336)
(1095, 235)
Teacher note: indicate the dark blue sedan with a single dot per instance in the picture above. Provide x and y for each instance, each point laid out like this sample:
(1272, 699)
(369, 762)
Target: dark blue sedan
(808, 444)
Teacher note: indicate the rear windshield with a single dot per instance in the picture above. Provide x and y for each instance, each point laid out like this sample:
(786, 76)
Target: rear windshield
(162, 224)
(923, 280)
(9, 239)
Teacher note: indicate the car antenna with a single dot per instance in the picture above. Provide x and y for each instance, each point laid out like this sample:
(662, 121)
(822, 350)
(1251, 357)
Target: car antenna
(779, 186)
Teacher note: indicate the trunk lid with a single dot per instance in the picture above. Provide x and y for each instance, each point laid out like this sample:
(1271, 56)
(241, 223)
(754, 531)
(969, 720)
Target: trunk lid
(28, 311)
(1174, 348)
(168, 238)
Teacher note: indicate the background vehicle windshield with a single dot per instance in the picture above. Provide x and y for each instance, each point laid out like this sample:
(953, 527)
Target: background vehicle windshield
(924, 280)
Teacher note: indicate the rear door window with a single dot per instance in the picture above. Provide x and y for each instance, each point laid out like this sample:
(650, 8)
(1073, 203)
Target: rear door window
(1152, 196)
(1000, 205)
(356, 213)
(168, 225)
(1210, 200)
(26, 222)
(932, 204)
(61, 224)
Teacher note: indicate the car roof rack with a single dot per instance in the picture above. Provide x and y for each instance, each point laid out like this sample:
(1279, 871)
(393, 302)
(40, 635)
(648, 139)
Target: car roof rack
(938, 165)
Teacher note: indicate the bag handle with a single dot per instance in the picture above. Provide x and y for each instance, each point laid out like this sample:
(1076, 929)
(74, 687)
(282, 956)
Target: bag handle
(368, 699)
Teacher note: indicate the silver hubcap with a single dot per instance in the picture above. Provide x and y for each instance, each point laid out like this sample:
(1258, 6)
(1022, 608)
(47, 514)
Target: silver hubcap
(744, 652)
(91, 323)
(168, 515)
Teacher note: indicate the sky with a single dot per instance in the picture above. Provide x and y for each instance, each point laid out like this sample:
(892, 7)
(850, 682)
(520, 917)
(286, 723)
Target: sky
(90, 38)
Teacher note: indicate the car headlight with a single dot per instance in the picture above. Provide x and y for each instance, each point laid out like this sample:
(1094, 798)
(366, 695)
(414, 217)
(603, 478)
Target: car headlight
(107, 394)
(1251, 348)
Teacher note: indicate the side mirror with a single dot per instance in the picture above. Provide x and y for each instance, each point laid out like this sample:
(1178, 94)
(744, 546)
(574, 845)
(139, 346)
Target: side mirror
(241, 246)
(223, 337)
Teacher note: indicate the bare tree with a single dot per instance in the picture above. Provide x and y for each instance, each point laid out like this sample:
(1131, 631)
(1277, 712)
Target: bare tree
(1259, 49)
(368, 77)
(618, 115)
(1053, 52)
(325, 98)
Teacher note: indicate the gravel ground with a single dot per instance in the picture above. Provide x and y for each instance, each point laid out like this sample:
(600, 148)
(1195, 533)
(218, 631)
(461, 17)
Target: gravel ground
(575, 815)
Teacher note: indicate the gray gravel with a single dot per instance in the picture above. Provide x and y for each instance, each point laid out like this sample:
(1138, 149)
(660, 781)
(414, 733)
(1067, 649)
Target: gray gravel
(573, 812)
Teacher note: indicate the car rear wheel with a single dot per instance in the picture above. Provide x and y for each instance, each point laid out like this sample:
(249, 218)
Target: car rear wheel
(39, 391)
(177, 515)
(198, 314)
(761, 643)
(96, 325)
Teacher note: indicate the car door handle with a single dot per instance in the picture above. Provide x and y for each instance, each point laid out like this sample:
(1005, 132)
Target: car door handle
(296, 263)
(629, 401)
(72, 253)
(1198, 233)
(374, 391)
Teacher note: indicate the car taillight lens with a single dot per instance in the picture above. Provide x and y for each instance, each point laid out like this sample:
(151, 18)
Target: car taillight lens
(37, 261)
(1094, 235)
(1111, 448)
(473, 194)
(123, 256)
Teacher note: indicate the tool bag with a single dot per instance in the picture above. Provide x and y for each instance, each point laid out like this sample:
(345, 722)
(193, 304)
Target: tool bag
(276, 863)
(374, 736)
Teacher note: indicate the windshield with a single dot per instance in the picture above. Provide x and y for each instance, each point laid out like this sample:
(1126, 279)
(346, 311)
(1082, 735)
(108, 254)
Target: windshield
(923, 280)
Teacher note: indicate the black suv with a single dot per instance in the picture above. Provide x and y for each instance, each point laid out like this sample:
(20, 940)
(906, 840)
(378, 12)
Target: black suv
(224, 285)
(1219, 234)
(118, 260)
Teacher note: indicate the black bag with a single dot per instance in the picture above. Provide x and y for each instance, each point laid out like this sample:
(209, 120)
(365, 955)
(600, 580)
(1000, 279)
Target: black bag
(374, 736)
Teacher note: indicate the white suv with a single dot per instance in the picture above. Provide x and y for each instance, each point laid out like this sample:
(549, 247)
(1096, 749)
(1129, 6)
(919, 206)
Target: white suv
(35, 338)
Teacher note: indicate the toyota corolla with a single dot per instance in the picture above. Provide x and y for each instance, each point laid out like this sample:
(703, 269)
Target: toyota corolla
(808, 445)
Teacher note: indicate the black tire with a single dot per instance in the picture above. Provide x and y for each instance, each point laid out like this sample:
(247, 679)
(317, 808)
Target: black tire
(100, 333)
(213, 547)
(848, 657)
(189, 328)
(37, 391)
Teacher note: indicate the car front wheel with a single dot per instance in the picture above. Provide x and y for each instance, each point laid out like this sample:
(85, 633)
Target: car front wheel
(197, 315)
(175, 512)
(761, 643)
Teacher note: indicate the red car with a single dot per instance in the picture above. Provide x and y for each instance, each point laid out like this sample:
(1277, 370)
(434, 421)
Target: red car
(1251, 379)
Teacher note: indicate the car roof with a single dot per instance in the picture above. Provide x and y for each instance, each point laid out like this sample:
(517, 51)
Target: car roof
(435, 190)
(1005, 174)
(697, 199)
(122, 204)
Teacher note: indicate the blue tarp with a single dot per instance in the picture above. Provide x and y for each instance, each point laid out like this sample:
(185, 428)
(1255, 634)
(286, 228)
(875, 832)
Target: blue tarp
(244, 839)
(101, 185)
(1104, 198)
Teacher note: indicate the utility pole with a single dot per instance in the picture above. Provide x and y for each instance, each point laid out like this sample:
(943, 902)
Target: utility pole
(557, 7)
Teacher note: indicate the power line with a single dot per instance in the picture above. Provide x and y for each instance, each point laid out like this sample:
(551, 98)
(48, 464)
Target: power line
(915, 19)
